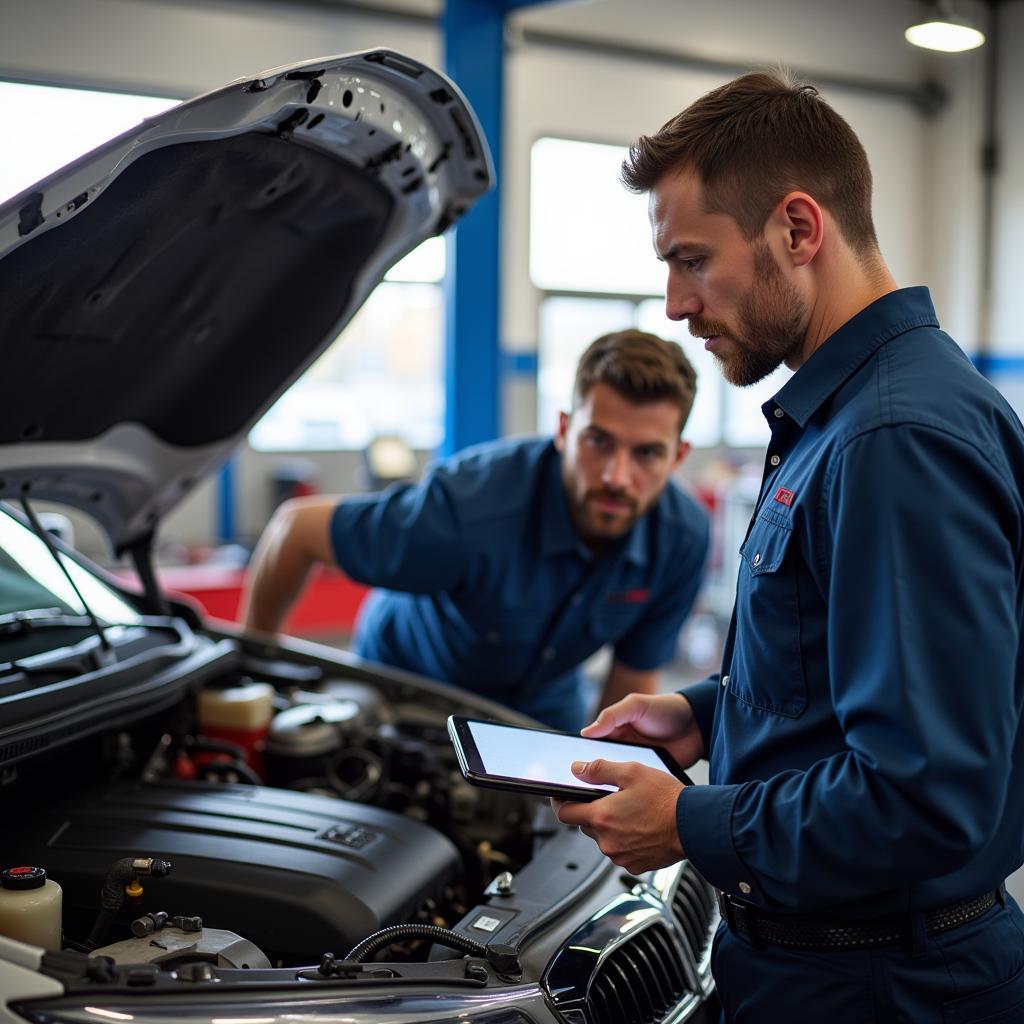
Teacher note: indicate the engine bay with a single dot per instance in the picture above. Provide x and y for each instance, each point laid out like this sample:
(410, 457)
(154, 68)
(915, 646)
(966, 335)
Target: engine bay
(322, 812)
(252, 814)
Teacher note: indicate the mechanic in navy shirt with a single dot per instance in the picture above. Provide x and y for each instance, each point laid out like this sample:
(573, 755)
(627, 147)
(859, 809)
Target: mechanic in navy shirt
(866, 796)
(516, 560)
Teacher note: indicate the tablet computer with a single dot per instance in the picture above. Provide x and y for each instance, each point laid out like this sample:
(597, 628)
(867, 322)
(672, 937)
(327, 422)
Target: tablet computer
(537, 761)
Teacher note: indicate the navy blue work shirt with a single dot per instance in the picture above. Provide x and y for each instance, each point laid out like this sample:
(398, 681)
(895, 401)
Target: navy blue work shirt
(865, 733)
(489, 586)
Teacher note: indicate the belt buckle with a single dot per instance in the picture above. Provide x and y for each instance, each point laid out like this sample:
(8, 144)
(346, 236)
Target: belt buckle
(725, 909)
(739, 916)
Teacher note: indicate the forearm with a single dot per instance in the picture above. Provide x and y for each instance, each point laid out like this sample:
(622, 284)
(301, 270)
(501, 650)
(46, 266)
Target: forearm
(275, 579)
(623, 681)
(294, 541)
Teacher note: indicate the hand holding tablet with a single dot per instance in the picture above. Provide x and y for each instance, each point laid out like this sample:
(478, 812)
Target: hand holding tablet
(537, 761)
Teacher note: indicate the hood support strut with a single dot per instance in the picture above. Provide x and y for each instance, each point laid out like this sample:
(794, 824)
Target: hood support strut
(141, 552)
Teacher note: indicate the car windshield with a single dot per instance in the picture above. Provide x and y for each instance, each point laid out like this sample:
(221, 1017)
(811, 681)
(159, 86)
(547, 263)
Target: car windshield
(31, 579)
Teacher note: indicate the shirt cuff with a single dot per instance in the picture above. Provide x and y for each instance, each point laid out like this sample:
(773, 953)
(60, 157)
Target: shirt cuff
(704, 823)
(703, 697)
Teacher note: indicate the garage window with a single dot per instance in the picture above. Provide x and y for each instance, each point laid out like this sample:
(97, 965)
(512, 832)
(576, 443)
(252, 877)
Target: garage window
(383, 376)
(46, 127)
(591, 256)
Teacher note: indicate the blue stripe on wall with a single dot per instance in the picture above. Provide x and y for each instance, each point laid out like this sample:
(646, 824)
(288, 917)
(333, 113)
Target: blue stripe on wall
(1002, 365)
(519, 364)
(227, 527)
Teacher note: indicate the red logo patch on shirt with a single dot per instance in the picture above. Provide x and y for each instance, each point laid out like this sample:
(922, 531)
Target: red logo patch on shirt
(636, 596)
(784, 497)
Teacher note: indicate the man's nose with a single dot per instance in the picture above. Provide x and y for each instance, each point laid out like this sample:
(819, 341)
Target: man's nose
(681, 303)
(616, 470)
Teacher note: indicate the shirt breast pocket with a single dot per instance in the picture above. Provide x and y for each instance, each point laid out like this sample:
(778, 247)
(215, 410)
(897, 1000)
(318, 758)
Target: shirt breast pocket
(497, 649)
(504, 626)
(613, 620)
(766, 670)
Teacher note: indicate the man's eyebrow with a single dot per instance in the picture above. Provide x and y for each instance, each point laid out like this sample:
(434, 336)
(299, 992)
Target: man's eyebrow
(679, 249)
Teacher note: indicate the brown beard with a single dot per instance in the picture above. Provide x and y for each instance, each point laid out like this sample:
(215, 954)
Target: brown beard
(772, 312)
(581, 520)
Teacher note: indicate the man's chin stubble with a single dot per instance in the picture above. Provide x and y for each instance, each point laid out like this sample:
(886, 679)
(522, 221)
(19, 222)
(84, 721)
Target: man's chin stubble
(744, 375)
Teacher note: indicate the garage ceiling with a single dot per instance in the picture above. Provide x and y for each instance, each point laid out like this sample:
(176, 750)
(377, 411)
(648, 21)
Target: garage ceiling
(787, 29)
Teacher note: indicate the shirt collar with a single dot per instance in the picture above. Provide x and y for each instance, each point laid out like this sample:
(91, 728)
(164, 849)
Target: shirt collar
(558, 535)
(836, 359)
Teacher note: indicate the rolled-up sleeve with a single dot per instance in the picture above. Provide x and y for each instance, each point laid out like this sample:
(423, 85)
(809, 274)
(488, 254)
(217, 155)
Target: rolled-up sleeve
(406, 538)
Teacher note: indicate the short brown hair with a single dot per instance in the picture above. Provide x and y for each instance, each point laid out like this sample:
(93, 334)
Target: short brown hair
(640, 367)
(752, 141)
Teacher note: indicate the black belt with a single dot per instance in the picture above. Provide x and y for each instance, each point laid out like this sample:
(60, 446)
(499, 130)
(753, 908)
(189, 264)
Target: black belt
(814, 933)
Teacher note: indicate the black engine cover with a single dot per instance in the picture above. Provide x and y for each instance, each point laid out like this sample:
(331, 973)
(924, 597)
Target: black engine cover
(296, 874)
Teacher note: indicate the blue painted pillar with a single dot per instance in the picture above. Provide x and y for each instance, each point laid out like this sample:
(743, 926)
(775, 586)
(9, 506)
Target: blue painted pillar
(475, 59)
(227, 526)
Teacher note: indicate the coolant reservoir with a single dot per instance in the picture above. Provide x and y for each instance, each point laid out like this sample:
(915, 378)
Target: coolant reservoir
(30, 907)
(239, 714)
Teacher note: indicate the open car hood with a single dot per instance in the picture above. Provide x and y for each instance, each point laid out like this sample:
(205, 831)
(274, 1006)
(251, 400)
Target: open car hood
(162, 291)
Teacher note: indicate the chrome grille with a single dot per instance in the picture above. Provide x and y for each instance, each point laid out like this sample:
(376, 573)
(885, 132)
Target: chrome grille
(693, 910)
(640, 981)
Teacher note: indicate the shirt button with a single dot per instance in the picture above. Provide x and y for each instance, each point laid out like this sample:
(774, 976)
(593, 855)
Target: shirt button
(548, 653)
(745, 888)
(756, 560)
(725, 680)
(775, 460)
(493, 636)
(576, 599)
(779, 414)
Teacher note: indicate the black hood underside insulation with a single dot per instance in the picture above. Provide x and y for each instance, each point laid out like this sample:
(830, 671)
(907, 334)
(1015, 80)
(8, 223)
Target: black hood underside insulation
(189, 293)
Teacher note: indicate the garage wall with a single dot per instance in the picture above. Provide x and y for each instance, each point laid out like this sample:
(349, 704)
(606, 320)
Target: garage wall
(927, 181)
(1007, 298)
(1008, 312)
(183, 47)
(1007, 302)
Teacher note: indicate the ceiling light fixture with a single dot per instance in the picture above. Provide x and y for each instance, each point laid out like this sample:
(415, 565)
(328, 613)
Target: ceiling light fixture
(943, 30)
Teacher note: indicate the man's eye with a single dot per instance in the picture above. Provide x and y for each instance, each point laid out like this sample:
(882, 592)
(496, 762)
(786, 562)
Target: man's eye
(693, 263)
(597, 441)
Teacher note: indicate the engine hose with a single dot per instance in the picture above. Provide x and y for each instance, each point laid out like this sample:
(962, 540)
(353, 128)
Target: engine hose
(122, 871)
(387, 936)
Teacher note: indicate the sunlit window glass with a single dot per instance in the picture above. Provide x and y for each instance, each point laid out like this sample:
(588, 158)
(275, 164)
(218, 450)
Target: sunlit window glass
(587, 233)
(594, 239)
(382, 376)
(704, 427)
(745, 425)
(46, 127)
(567, 327)
(425, 264)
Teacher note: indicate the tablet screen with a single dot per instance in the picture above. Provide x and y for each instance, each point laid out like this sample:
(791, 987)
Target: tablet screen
(546, 756)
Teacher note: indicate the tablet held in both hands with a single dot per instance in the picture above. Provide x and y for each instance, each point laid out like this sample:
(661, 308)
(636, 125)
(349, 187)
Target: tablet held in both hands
(537, 761)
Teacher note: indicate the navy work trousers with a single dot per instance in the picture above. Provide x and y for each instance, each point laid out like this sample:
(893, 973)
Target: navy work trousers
(970, 975)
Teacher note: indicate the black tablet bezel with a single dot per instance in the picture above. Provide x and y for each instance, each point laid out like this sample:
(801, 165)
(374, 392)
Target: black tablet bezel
(471, 764)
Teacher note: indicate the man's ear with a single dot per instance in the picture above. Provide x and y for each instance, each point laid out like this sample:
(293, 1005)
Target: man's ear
(684, 449)
(563, 428)
(800, 222)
